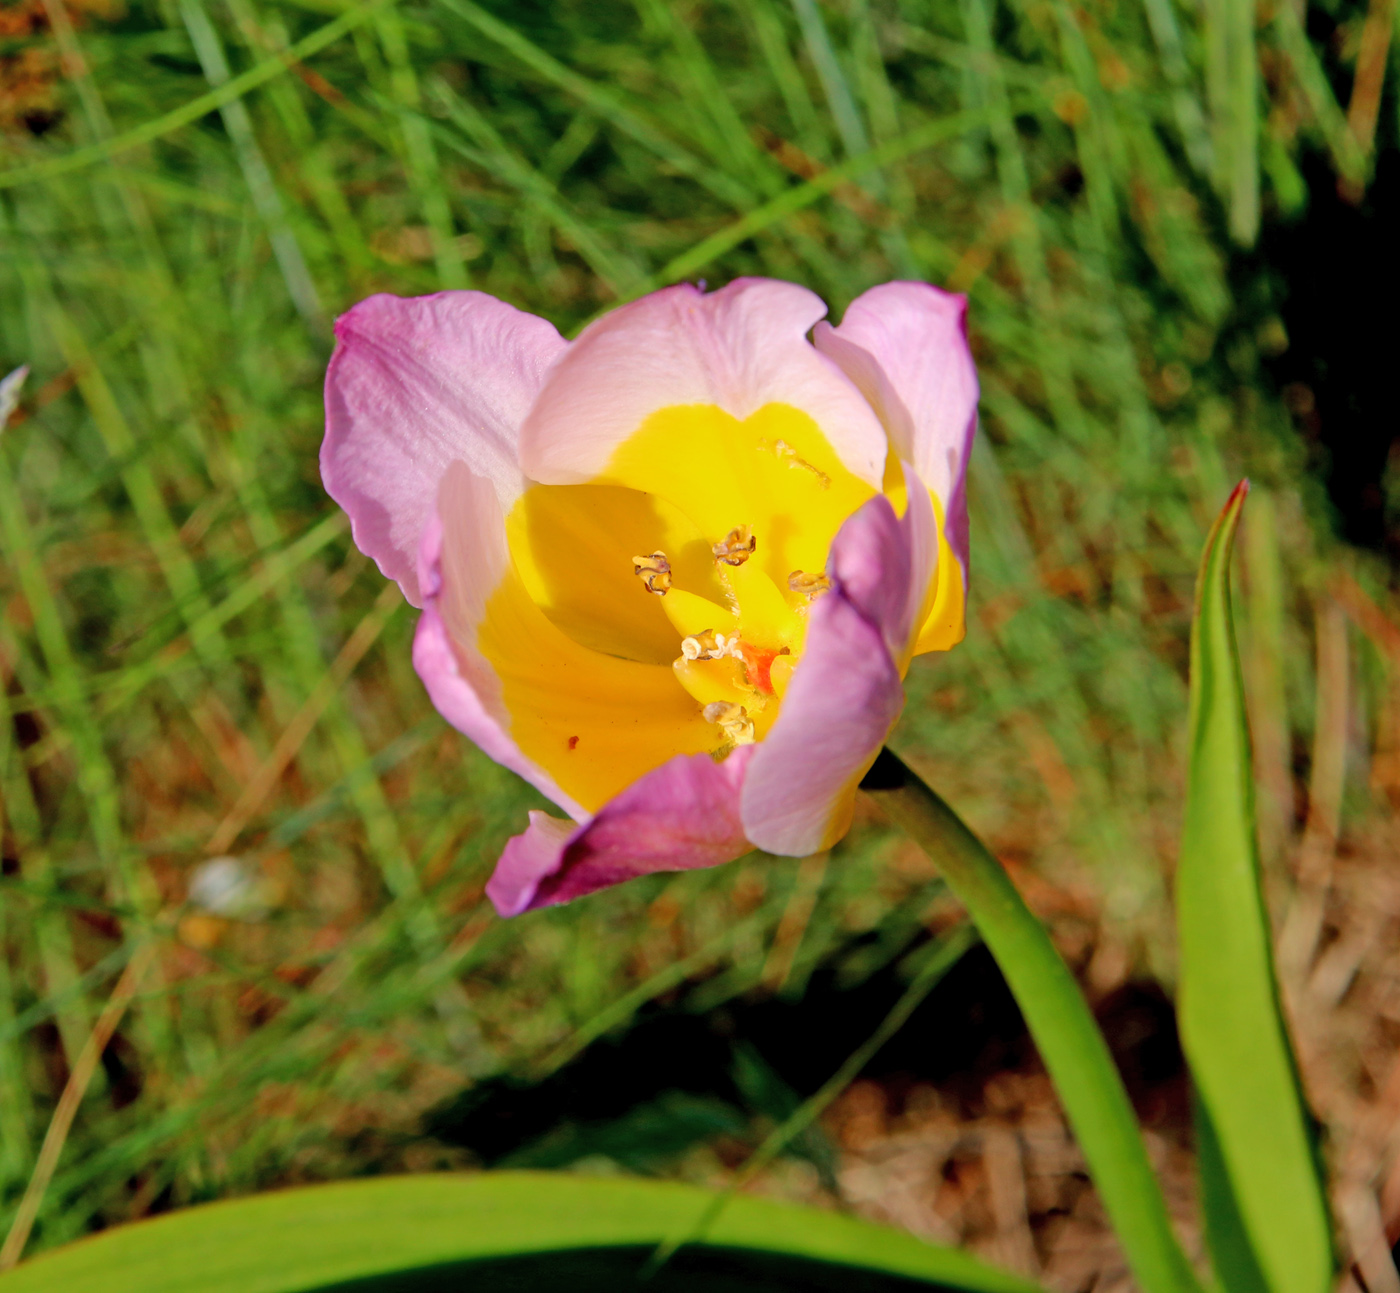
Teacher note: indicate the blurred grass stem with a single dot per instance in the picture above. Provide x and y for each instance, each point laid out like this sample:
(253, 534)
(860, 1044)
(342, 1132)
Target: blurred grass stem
(1267, 693)
(306, 718)
(76, 1087)
(196, 108)
(799, 196)
(1303, 925)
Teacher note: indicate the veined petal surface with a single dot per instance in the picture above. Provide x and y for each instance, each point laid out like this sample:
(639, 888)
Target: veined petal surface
(905, 346)
(738, 349)
(462, 684)
(415, 384)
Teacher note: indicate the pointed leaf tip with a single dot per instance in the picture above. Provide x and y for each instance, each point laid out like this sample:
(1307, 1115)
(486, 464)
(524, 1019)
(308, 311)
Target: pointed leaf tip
(1266, 1220)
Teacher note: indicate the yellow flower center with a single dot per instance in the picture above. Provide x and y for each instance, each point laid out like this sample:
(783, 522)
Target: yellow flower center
(611, 662)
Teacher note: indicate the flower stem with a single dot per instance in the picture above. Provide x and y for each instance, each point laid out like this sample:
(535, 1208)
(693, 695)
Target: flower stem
(1059, 1020)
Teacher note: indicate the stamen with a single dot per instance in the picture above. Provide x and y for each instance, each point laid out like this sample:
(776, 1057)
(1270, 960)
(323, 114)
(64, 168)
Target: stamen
(654, 571)
(810, 586)
(789, 455)
(738, 546)
(709, 645)
(733, 720)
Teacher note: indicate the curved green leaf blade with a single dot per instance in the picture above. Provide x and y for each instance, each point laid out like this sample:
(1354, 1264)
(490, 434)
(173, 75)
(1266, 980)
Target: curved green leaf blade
(294, 1241)
(1267, 1218)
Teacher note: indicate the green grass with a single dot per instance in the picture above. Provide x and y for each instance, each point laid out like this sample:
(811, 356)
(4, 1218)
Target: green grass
(176, 589)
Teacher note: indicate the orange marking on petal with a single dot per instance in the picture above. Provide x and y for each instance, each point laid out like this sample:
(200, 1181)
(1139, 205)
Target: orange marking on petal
(758, 664)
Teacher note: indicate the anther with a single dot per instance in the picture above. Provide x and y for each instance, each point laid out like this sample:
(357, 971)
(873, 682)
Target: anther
(709, 646)
(810, 586)
(654, 571)
(733, 720)
(738, 546)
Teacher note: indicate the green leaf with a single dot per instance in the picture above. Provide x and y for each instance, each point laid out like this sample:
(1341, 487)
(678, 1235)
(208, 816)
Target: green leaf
(433, 1225)
(1266, 1214)
(1230, 1250)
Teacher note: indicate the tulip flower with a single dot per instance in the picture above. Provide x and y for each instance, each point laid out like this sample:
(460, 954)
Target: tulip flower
(672, 573)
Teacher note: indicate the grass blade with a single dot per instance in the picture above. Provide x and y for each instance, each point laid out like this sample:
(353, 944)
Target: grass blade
(256, 173)
(1231, 1024)
(803, 195)
(196, 108)
(330, 1235)
(603, 101)
(1292, 38)
(1232, 79)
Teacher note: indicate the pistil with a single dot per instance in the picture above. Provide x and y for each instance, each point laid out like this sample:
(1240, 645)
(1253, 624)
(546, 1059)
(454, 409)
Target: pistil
(758, 664)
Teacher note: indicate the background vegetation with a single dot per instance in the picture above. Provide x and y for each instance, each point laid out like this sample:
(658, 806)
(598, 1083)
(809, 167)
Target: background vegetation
(197, 664)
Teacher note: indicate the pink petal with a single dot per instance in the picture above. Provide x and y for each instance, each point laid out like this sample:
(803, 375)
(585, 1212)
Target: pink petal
(905, 346)
(460, 681)
(739, 348)
(682, 816)
(527, 861)
(413, 385)
(846, 693)
(885, 565)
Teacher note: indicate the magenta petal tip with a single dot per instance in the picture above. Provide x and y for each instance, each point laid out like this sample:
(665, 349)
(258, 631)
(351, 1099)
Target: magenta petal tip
(681, 817)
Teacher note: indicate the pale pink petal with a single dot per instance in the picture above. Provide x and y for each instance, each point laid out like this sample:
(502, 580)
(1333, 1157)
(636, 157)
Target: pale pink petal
(682, 816)
(846, 693)
(528, 860)
(461, 683)
(905, 346)
(739, 348)
(413, 385)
